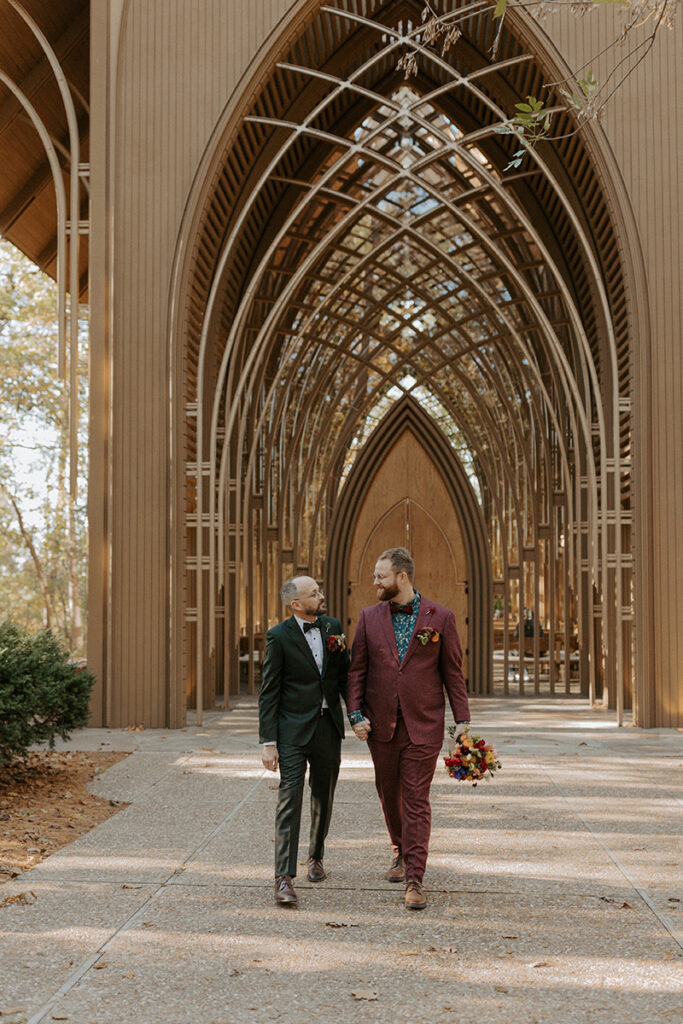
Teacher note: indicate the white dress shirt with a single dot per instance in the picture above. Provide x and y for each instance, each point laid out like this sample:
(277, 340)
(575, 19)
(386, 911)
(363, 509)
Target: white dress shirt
(313, 638)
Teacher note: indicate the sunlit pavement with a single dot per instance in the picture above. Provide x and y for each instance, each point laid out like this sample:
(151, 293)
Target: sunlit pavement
(553, 890)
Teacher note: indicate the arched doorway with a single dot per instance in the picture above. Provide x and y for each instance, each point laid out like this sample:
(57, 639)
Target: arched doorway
(407, 488)
(373, 251)
(432, 534)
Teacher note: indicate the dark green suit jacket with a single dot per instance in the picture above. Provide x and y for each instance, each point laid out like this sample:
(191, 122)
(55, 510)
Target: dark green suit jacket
(292, 689)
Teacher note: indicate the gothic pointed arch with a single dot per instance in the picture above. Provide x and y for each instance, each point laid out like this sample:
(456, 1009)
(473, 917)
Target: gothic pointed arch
(407, 415)
(355, 240)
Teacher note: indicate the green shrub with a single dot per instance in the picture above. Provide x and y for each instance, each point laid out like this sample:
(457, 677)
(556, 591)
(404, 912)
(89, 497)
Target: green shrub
(42, 694)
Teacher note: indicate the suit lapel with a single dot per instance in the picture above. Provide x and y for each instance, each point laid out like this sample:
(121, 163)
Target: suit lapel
(301, 641)
(384, 613)
(325, 632)
(419, 626)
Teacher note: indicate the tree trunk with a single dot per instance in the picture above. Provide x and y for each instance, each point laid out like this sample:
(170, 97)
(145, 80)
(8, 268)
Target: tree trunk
(36, 559)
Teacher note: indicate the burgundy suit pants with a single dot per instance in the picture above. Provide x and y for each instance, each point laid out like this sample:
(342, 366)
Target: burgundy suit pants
(403, 776)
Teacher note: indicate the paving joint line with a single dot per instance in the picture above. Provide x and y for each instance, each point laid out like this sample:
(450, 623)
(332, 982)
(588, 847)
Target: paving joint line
(90, 962)
(644, 895)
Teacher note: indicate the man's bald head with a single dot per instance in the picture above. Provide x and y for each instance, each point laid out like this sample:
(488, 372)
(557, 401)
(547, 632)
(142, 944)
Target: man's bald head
(304, 596)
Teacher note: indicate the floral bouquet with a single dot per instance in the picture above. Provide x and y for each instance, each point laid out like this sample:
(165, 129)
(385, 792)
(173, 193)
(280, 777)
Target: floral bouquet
(471, 758)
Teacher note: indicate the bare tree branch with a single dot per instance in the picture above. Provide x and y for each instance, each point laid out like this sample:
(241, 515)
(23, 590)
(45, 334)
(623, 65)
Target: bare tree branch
(38, 565)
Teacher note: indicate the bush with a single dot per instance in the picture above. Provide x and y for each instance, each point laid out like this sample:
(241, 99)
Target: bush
(42, 694)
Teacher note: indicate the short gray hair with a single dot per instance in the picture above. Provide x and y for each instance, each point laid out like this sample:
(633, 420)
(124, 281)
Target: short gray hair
(289, 590)
(401, 561)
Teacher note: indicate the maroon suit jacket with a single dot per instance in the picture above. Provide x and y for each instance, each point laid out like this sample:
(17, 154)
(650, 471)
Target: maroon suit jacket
(377, 678)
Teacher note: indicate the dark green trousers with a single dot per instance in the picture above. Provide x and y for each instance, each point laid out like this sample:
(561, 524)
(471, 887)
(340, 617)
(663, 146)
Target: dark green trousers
(323, 756)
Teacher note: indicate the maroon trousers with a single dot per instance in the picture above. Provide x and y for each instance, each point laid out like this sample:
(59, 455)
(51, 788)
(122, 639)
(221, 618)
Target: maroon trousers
(403, 776)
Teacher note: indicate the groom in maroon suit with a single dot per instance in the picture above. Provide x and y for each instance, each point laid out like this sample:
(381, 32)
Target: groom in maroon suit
(406, 651)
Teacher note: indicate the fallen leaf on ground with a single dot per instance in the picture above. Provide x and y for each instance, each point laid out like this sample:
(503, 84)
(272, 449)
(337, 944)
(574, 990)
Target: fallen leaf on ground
(541, 963)
(25, 898)
(500, 988)
(510, 936)
(365, 993)
(102, 963)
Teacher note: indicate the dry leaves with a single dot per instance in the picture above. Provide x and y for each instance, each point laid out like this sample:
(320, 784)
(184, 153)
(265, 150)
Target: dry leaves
(44, 804)
(367, 994)
(25, 898)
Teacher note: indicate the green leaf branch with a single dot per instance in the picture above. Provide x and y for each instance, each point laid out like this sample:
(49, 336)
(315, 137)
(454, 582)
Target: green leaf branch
(585, 97)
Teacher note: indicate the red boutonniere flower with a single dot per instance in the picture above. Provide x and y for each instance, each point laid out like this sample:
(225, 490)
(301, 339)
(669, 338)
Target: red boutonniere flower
(429, 635)
(336, 643)
(430, 611)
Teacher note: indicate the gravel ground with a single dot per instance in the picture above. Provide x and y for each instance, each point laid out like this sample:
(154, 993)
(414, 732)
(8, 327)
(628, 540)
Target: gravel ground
(554, 889)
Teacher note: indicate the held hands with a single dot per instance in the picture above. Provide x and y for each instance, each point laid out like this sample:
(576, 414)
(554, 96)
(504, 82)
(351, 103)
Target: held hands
(269, 757)
(362, 729)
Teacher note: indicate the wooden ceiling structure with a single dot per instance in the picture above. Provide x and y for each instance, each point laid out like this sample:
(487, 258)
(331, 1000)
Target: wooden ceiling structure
(44, 170)
(28, 212)
(361, 244)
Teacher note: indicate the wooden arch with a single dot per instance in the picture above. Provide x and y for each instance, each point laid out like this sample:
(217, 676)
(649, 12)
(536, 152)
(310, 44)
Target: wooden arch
(407, 415)
(294, 321)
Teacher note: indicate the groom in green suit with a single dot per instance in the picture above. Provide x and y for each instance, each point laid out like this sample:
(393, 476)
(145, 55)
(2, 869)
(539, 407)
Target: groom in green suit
(301, 723)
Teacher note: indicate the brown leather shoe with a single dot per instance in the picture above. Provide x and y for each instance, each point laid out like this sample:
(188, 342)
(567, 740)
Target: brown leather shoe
(284, 891)
(316, 871)
(415, 897)
(397, 871)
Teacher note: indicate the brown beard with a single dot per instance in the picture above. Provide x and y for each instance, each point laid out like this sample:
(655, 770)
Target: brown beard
(389, 593)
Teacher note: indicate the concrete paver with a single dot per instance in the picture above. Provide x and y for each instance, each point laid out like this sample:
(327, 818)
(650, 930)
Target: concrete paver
(553, 890)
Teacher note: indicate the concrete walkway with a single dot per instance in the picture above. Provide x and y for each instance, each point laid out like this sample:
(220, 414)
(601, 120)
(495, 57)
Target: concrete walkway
(553, 890)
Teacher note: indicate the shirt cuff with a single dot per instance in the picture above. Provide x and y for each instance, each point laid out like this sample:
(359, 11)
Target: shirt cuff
(269, 743)
(355, 717)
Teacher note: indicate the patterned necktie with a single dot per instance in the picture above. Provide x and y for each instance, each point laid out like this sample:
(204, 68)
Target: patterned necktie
(311, 625)
(401, 609)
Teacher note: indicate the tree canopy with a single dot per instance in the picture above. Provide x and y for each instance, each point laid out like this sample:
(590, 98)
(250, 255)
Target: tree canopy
(42, 537)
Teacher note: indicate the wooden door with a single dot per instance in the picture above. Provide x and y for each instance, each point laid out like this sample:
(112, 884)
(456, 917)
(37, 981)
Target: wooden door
(408, 505)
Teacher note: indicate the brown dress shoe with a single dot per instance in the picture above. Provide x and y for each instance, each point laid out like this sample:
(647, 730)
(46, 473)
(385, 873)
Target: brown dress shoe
(415, 897)
(284, 891)
(316, 871)
(397, 871)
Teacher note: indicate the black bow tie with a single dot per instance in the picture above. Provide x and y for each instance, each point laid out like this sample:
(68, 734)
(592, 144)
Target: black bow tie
(401, 609)
(311, 625)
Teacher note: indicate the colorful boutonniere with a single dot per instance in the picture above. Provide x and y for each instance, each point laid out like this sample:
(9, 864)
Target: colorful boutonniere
(336, 643)
(429, 636)
(430, 611)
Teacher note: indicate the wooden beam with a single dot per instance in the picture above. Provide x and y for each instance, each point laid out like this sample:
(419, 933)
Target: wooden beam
(41, 73)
